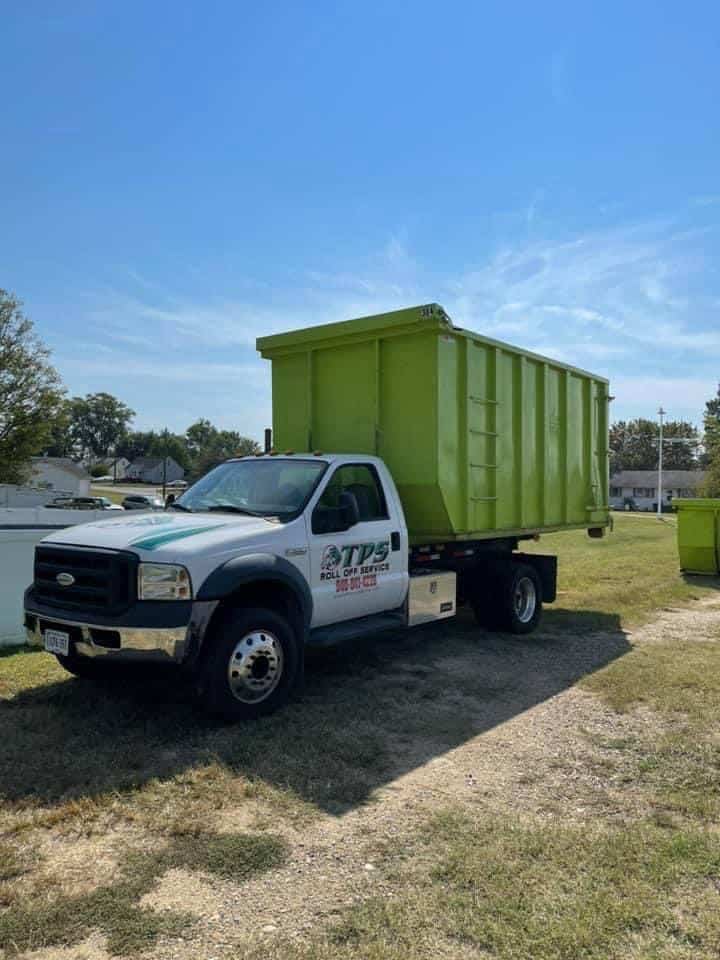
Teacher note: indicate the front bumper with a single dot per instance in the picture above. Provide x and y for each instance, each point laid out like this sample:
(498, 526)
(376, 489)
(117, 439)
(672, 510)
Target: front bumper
(170, 632)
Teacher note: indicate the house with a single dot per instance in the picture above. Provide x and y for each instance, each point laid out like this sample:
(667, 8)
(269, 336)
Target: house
(60, 475)
(154, 470)
(116, 467)
(637, 489)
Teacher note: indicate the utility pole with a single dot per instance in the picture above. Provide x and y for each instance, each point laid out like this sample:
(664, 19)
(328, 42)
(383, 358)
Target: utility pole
(661, 414)
(165, 460)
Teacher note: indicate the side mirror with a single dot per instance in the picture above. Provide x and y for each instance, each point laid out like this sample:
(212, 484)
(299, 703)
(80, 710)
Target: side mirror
(349, 510)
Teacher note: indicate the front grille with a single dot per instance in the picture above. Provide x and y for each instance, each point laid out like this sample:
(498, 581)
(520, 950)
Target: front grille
(103, 579)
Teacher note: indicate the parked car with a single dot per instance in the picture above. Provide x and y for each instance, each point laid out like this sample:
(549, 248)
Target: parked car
(83, 503)
(177, 484)
(139, 501)
(106, 478)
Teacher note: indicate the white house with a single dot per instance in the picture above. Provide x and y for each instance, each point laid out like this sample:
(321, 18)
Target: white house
(154, 470)
(116, 467)
(60, 475)
(637, 489)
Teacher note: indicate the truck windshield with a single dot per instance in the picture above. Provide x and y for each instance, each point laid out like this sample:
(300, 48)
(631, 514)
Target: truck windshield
(264, 488)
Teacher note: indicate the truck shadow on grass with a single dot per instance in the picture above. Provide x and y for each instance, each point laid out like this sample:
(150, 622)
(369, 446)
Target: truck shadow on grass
(369, 713)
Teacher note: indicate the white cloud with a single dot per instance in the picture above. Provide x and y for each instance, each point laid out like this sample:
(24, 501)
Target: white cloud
(129, 366)
(682, 397)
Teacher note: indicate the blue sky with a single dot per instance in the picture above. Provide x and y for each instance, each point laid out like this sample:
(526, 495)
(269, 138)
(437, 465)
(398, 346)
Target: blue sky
(179, 178)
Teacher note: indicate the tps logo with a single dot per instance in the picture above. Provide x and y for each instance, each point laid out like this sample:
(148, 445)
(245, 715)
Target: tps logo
(352, 554)
(331, 558)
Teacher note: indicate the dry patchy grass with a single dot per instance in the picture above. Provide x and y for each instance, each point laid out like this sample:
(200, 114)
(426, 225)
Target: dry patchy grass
(499, 889)
(115, 909)
(84, 759)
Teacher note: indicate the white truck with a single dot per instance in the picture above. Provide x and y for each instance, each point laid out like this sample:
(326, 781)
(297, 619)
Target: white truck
(268, 554)
(259, 558)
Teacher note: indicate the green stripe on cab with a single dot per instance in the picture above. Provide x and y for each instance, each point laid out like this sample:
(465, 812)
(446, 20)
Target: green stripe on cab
(160, 539)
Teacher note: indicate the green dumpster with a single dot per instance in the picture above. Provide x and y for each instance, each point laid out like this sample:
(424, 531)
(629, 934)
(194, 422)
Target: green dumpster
(699, 535)
(483, 439)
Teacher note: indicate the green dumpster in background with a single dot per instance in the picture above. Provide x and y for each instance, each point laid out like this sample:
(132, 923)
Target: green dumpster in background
(699, 535)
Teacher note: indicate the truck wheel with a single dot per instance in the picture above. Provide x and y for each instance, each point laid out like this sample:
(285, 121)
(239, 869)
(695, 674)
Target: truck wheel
(252, 666)
(518, 601)
(509, 599)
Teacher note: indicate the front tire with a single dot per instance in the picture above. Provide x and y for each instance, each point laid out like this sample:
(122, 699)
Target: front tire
(252, 666)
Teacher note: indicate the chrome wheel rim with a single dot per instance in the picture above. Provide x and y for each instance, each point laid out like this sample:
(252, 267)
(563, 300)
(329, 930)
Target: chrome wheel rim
(525, 599)
(255, 666)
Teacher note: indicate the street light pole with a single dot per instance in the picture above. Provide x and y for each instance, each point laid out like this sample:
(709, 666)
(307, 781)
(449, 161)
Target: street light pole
(661, 414)
(165, 460)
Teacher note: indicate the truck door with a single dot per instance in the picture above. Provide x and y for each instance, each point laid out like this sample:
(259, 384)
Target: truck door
(357, 571)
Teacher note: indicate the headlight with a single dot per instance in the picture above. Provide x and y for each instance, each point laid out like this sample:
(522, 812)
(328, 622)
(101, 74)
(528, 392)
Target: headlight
(163, 581)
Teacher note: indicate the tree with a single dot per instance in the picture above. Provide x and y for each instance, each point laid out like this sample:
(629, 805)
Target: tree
(209, 446)
(134, 444)
(634, 445)
(199, 437)
(98, 422)
(201, 448)
(168, 444)
(151, 444)
(60, 442)
(30, 391)
(711, 441)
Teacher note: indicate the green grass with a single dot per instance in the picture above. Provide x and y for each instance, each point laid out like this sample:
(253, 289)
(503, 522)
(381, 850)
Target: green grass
(115, 909)
(230, 856)
(631, 573)
(678, 764)
(115, 495)
(496, 889)
(680, 678)
(11, 865)
(81, 758)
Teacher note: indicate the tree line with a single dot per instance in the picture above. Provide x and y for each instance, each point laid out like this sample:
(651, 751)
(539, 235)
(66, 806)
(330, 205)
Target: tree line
(96, 430)
(37, 417)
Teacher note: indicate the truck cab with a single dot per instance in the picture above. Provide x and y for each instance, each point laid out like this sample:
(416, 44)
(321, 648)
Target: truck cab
(261, 558)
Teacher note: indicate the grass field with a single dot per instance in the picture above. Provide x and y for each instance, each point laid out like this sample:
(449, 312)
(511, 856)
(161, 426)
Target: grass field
(630, 573)
(447, 793)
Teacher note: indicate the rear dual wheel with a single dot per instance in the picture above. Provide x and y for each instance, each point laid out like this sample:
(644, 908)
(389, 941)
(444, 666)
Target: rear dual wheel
(509, 600)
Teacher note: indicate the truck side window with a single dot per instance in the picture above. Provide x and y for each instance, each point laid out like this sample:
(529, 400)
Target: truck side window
(362, 482)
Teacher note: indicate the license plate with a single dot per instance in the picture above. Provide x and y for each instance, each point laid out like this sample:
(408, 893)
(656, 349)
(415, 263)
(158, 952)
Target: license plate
(56, 641)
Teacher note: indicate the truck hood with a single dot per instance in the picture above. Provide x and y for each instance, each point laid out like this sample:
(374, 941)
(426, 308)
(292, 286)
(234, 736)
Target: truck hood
(151, 533)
